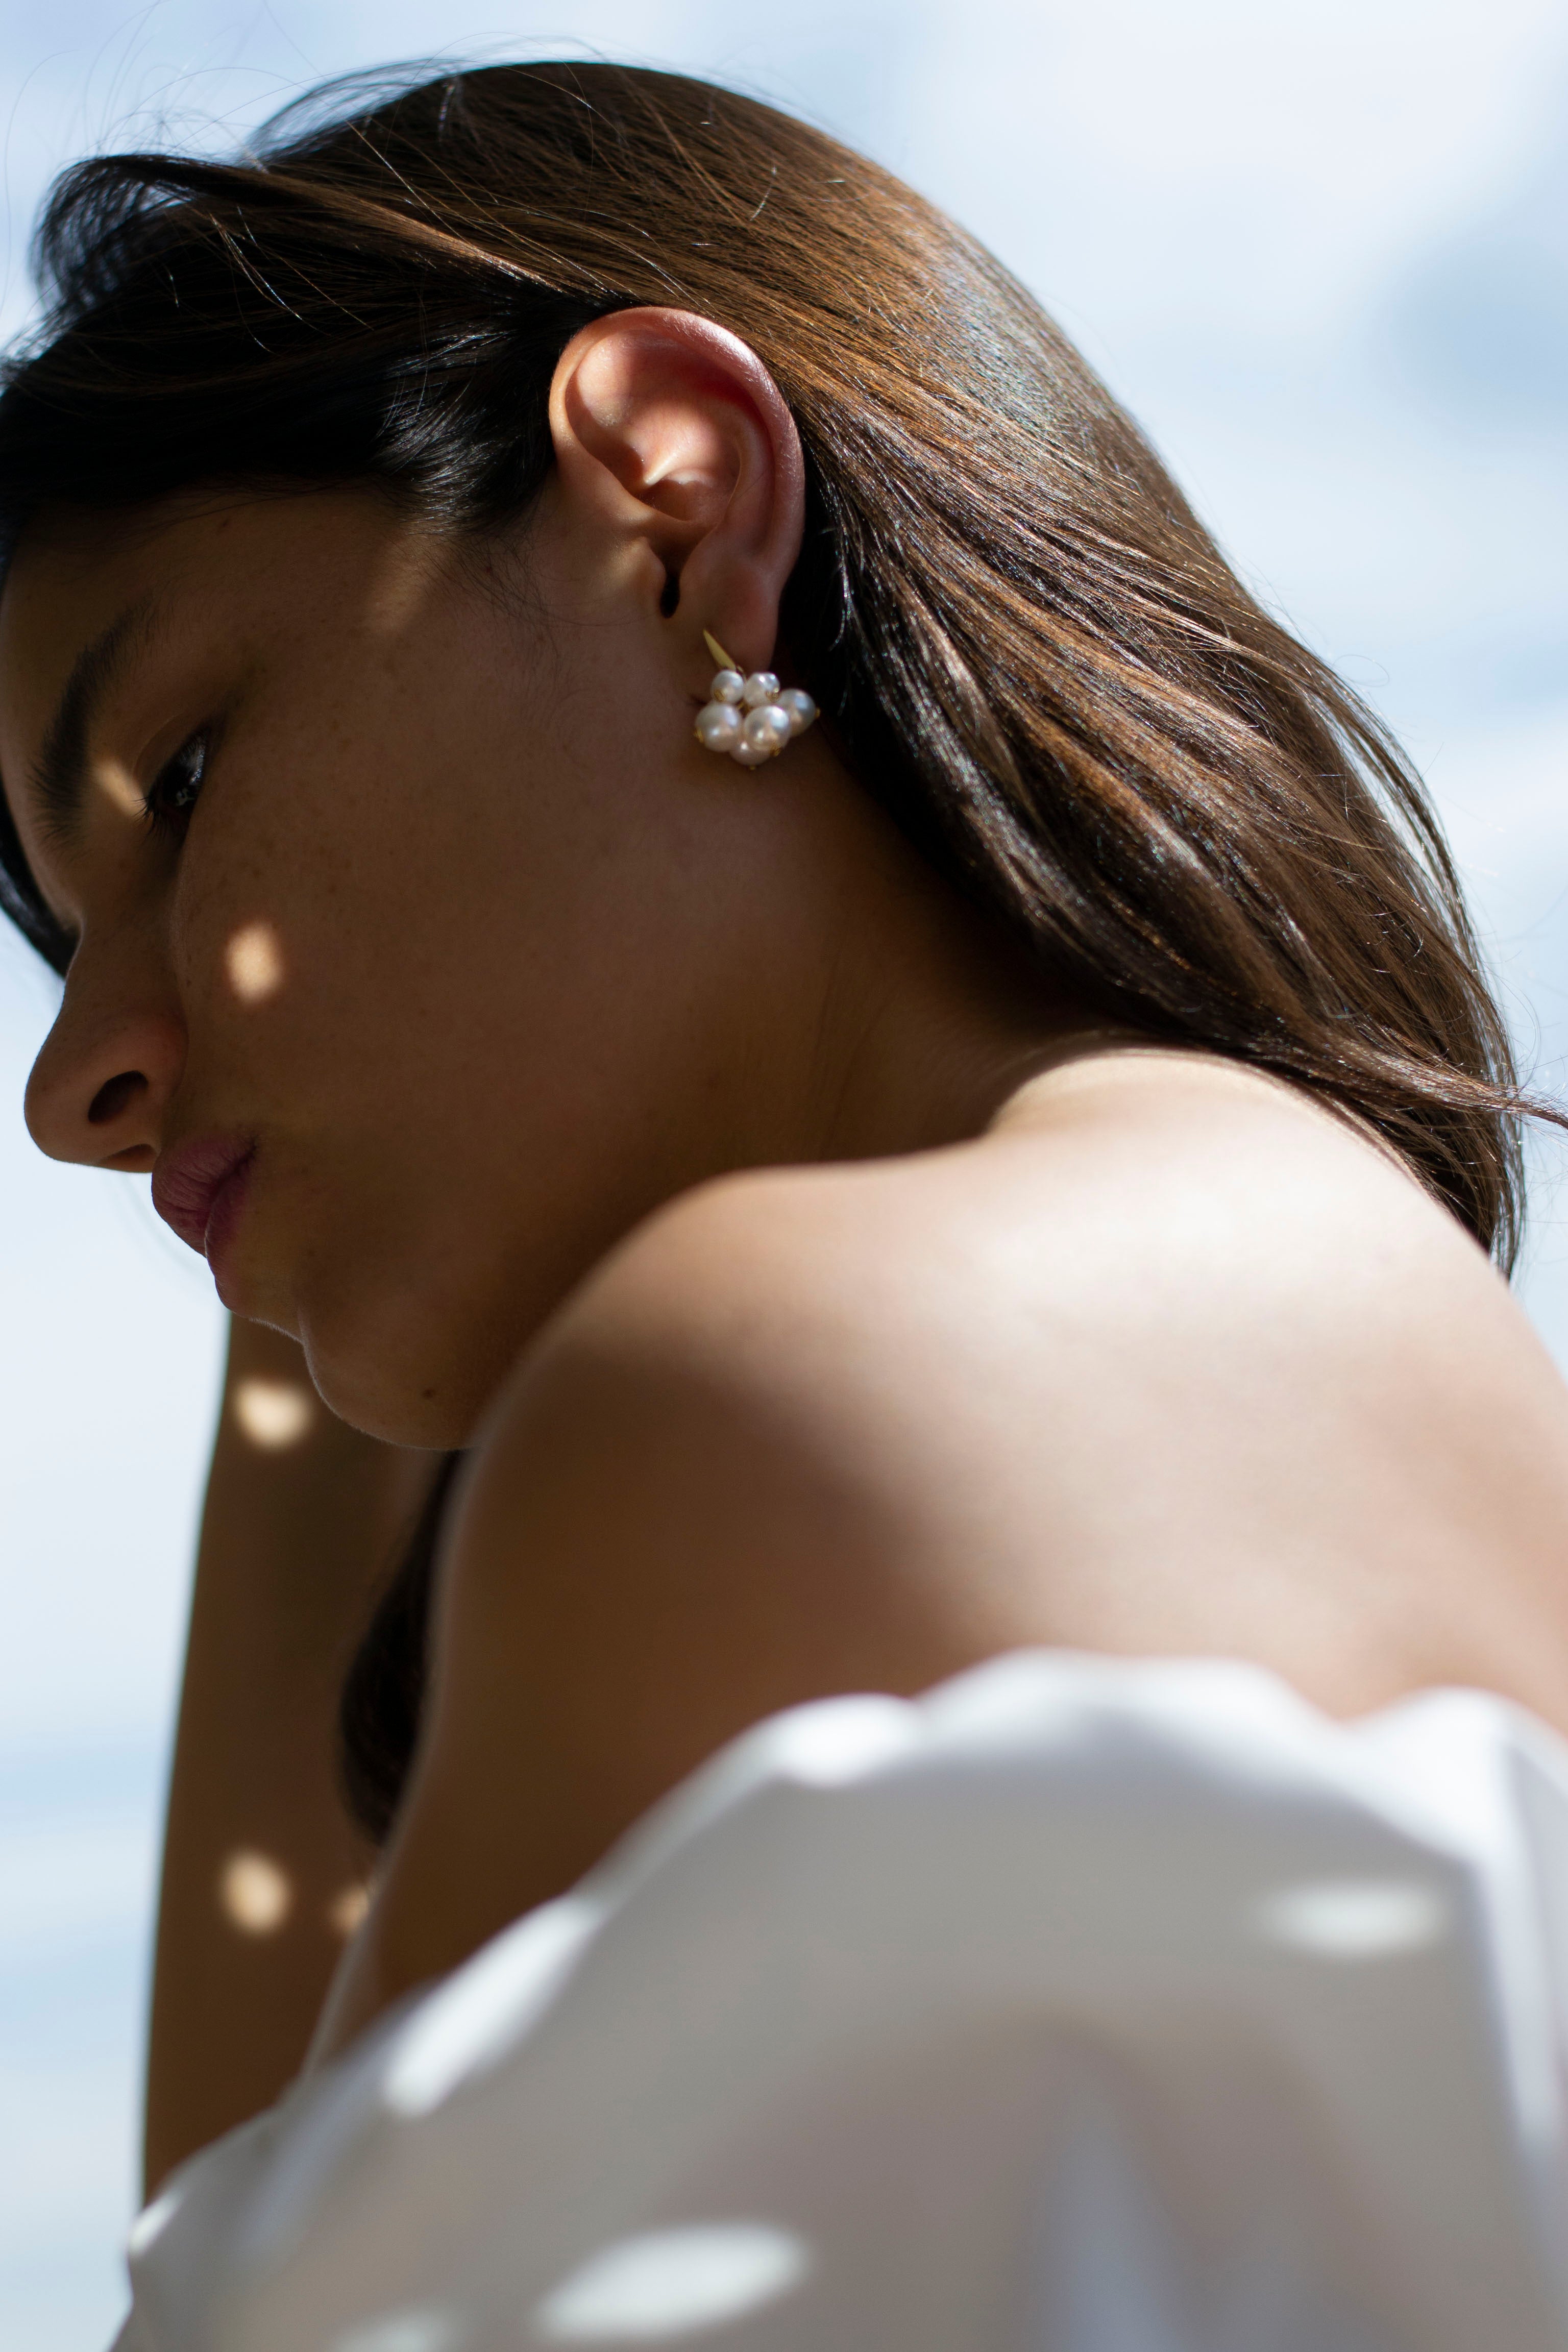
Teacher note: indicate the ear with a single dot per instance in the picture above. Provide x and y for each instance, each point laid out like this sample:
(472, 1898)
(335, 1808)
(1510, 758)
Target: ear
(671, 437)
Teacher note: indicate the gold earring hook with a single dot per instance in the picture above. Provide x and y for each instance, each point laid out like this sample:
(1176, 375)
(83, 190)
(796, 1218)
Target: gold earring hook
(723, 659)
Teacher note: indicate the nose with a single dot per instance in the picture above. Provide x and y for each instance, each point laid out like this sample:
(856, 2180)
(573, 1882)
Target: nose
(101, 1087)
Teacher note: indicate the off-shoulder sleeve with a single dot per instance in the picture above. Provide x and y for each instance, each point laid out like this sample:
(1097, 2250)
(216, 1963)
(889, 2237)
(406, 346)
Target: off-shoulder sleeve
(1080, 2006)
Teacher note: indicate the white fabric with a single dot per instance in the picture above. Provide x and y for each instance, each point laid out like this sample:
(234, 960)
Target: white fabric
(1078, 2006)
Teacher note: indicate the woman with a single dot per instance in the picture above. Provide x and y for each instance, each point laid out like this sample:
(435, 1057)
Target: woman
(1016, 1170)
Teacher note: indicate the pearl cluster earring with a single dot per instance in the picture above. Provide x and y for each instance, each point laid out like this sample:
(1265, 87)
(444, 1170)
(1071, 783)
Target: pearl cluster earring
(753, 718)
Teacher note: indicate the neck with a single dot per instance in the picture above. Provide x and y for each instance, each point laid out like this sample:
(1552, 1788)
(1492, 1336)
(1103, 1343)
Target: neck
(920, 1020)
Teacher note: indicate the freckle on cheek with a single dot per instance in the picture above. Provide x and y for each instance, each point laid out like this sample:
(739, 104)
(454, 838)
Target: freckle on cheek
(254, 962)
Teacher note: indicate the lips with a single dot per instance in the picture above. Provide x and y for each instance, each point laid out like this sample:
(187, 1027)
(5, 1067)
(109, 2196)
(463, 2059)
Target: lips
(197, 1188)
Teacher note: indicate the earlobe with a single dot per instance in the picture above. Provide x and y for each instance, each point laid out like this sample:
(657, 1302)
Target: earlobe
(668, 430)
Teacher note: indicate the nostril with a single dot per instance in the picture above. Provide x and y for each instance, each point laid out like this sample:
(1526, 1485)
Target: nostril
(114, 1095)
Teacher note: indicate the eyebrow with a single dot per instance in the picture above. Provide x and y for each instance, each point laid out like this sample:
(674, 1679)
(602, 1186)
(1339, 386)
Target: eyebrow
(59, 773)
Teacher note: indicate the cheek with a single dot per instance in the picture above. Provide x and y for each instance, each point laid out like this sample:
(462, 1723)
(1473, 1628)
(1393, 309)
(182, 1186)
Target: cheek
(428, 916)
(251, 946)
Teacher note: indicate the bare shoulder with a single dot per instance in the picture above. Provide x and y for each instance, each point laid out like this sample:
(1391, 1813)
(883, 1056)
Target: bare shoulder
(1212, 1220)
(1164, 1318)
(1168, 1361)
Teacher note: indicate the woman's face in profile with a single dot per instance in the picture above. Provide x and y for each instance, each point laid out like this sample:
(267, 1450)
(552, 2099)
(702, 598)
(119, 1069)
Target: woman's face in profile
(411, 926)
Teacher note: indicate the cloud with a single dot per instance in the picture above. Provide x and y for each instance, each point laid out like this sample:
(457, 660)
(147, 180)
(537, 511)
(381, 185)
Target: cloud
(1478, 329)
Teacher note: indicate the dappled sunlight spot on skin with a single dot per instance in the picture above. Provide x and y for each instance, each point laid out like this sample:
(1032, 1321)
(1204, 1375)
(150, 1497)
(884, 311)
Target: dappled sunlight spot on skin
(274, 1414)
(253, 1893)
(345, 1912)
(120, 792)
(254, 962)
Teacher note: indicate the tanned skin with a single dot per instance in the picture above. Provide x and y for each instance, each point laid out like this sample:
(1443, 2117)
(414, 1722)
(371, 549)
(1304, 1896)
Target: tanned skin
(824, 1303)
(263, 1874)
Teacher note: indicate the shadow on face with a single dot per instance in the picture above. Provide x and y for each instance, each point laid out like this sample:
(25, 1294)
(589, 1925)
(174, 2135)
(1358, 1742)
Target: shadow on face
(401, 886)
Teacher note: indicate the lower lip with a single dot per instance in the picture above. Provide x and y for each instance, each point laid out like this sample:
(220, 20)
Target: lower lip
(223, 1222)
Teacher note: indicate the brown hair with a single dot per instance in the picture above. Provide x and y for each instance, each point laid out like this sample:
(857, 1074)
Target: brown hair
(1030, 651)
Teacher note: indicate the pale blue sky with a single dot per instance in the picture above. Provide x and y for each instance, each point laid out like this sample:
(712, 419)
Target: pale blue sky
(1322, 250)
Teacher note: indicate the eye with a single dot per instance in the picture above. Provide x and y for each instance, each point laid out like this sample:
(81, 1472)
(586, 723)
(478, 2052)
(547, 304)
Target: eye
(176, 787)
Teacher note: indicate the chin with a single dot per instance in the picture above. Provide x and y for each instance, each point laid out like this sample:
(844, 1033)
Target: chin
(401, 1402)
(399, 1375)
(410, 1336)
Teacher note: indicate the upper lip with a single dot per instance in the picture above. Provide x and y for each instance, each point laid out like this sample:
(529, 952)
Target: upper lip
(188, 1179)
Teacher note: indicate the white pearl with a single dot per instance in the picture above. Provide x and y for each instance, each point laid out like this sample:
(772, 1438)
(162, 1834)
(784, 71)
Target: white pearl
(727, 687)
(719, 725)
(798, 706)
(767, 727)
(751, 755)
(761, 687)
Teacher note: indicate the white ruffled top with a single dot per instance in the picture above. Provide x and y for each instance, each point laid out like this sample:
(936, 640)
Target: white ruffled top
(1080, 2006)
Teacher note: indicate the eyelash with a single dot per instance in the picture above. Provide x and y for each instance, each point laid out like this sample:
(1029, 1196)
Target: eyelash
(176, 787)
